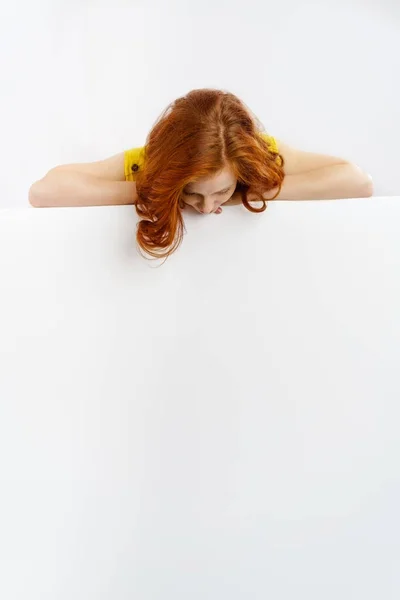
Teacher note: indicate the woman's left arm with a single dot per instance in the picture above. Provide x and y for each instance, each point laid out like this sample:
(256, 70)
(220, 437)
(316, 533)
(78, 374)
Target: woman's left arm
(310, 176)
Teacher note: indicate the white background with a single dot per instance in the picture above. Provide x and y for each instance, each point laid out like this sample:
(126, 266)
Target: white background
(85, 79)
(223, 426)
(226, 425)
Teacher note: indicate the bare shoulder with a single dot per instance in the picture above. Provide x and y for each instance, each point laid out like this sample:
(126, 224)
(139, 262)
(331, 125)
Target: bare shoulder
(111, 168)
(298, 161)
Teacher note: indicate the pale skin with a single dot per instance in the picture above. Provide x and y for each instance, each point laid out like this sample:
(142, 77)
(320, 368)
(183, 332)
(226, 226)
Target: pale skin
(308, 176)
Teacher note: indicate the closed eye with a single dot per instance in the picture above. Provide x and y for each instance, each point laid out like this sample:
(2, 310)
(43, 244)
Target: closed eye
(194, 193)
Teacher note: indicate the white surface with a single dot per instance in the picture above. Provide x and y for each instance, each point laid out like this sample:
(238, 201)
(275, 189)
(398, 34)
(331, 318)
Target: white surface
(224, 426)
(85, 79)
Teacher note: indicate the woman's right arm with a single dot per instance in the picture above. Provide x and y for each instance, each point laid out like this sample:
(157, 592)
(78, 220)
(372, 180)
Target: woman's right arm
(100, 183)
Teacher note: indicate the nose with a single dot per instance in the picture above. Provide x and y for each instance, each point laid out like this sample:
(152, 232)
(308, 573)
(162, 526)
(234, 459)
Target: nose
(206, 209)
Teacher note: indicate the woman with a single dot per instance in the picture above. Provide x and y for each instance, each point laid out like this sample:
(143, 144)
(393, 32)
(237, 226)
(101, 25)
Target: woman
(205, 151)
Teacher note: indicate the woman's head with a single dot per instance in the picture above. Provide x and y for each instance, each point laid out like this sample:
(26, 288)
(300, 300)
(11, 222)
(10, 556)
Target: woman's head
(204, 147)
(208, 193)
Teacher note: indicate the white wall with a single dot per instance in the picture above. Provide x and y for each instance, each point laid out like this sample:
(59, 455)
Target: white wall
(226, 425)
(84, 80)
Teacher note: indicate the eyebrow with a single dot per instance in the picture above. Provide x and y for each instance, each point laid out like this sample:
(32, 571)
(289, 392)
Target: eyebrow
(219, 191)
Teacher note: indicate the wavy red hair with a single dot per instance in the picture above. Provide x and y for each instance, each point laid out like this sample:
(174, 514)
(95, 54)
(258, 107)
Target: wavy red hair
(196, 136)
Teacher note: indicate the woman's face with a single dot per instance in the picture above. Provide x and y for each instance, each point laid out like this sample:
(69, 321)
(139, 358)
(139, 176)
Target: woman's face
(207, 194)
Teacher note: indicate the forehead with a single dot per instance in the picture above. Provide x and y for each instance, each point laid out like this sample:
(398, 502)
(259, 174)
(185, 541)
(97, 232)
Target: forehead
(218, 181)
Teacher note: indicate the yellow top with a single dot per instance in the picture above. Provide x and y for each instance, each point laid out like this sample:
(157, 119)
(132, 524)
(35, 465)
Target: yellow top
(134, 158)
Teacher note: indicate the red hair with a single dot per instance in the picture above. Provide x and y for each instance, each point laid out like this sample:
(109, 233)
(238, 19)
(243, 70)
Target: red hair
(196, 136)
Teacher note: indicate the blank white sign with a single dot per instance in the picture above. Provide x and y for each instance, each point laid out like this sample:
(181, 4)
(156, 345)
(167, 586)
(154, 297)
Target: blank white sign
(222, 426)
